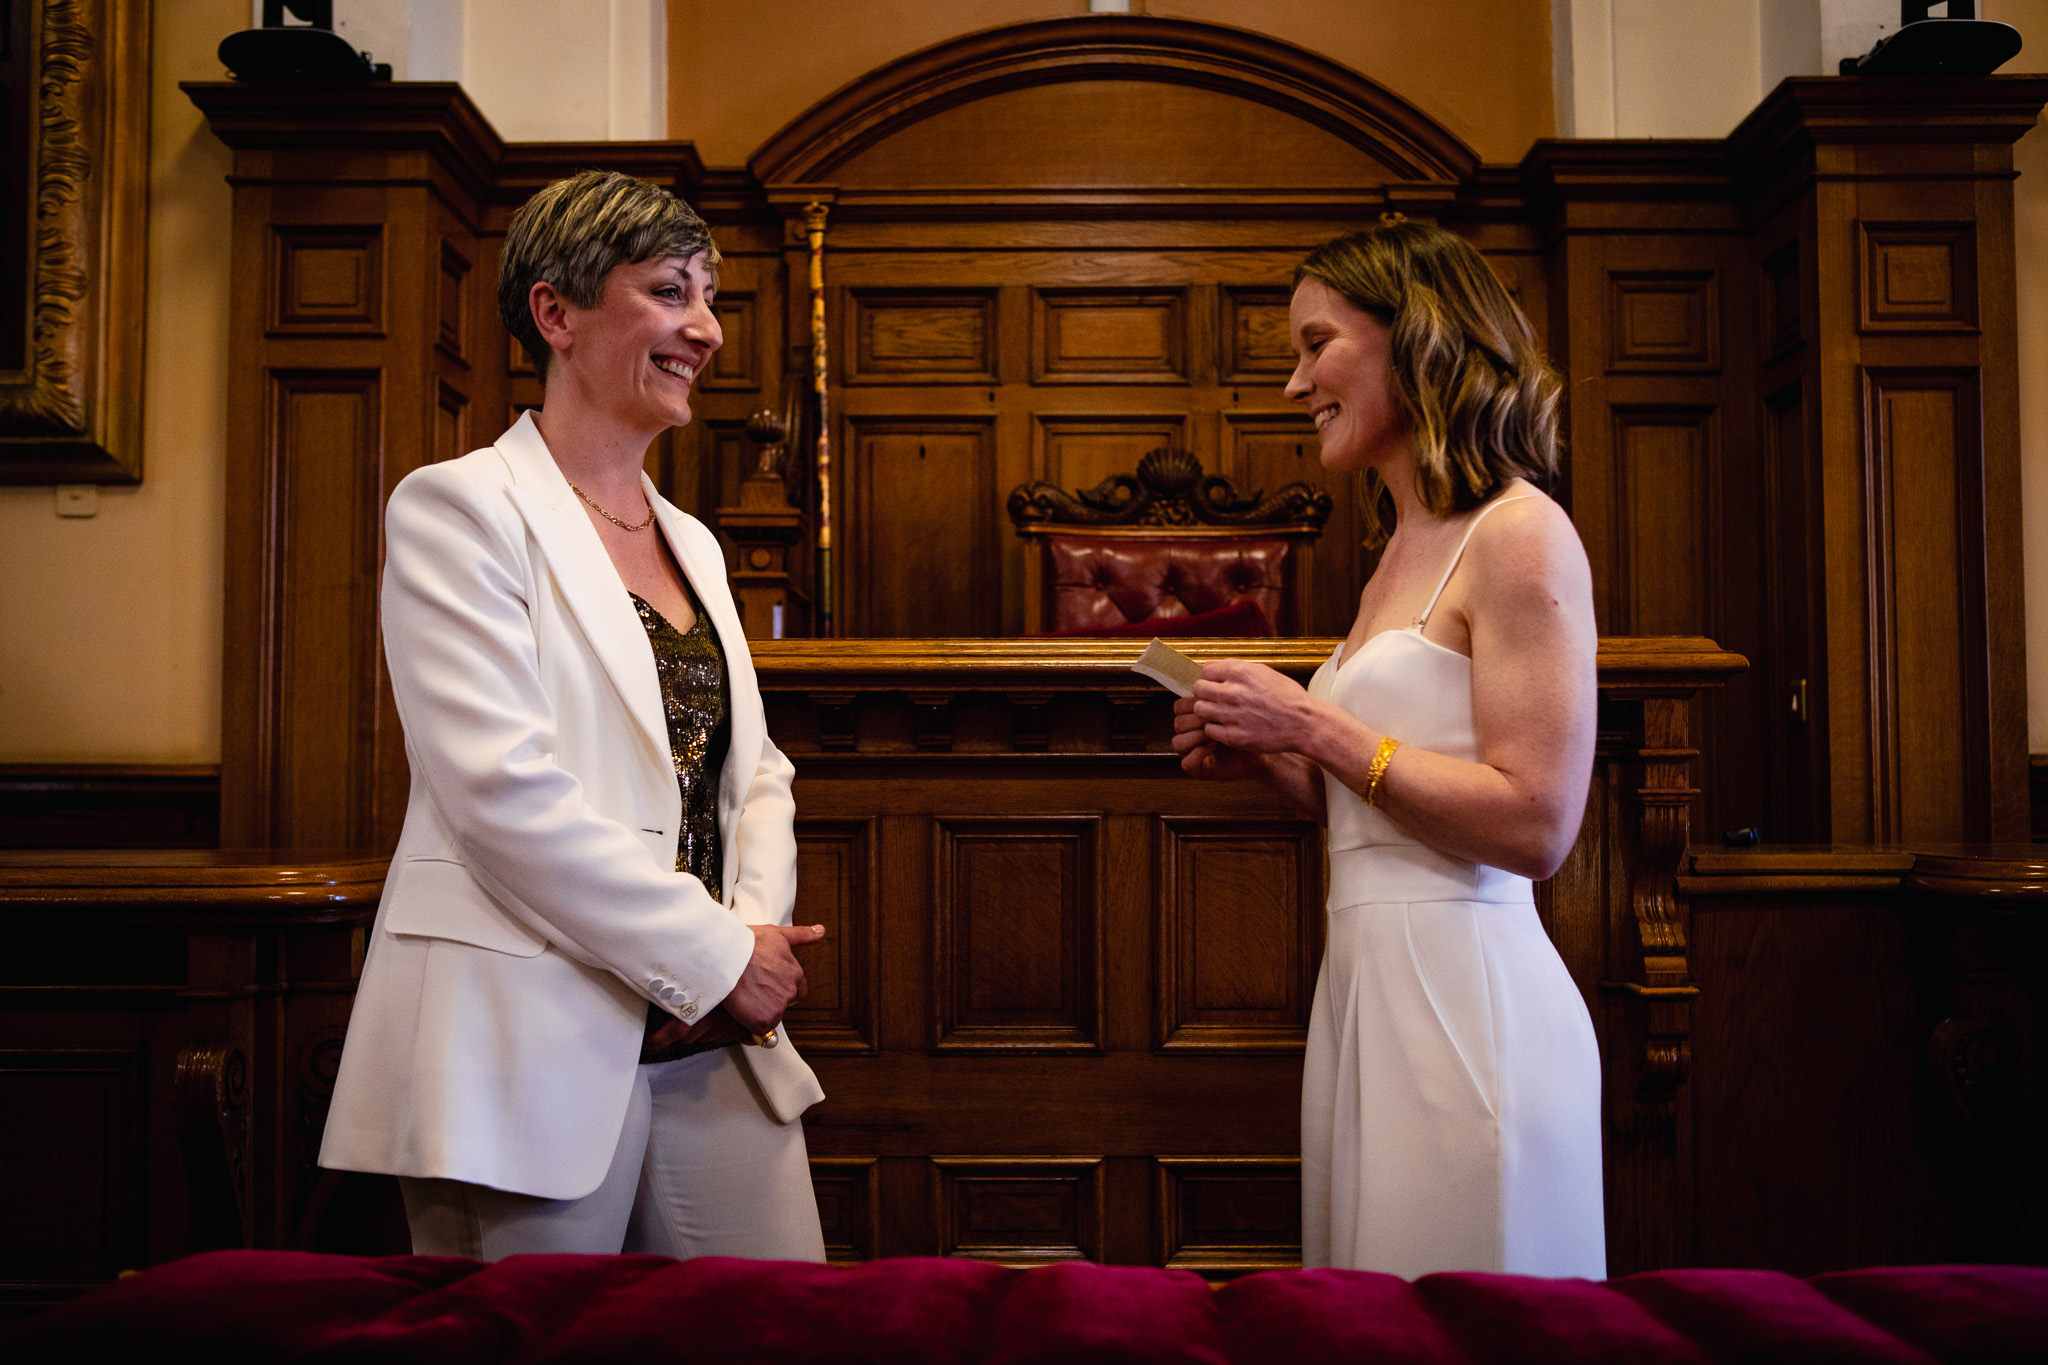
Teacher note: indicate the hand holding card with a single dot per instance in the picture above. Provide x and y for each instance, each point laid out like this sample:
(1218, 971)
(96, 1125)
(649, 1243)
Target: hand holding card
(1168, 667)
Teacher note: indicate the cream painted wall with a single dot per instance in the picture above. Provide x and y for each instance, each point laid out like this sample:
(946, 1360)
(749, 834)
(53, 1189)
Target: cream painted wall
(1479, 67)
(110, 626)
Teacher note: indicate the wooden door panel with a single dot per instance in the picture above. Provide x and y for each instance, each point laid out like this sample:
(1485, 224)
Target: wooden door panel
(922, 561)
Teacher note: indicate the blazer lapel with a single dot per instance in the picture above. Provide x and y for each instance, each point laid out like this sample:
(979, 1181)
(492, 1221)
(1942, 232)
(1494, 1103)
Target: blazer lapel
(589, 583)
(706, 572)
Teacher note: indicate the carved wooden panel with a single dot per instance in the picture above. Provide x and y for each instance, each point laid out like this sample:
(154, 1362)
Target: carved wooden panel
(849, 1193)
(329, 501)
(71, 1178)
(835, 880)
(1109, 336)
(327, 281)
(1016, 937)
(1780, 297)
(1254, 342)
(1665, 517)
(517, 363)
(1663, 321)
(1268, 450)
(1917, 277)
(451, 423)
(452, 331)
(1080, 452)
(919, 562)
(1018, 1210)
(1795, 691)
(1231, 1214)
(736, 364)
(922, 337)
(1240, 934)
(1926, 565)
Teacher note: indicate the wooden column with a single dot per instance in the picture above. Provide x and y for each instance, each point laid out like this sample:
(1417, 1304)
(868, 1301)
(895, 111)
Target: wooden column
(1883, 265)
(354, 332)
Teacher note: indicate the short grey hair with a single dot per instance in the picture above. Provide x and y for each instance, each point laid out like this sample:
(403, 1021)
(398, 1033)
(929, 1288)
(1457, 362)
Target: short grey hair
(575, 232)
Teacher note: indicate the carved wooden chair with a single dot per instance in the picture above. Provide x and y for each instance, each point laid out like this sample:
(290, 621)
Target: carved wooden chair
(1166, 544)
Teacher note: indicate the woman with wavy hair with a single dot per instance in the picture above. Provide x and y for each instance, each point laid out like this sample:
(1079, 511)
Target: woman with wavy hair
(1451, 1095)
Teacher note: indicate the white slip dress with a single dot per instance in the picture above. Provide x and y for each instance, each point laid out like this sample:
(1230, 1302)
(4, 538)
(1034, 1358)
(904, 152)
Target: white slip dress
(1450, 1103)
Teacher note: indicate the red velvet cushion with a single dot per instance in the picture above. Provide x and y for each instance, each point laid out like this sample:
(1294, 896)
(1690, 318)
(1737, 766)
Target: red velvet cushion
(1240, 618)
(278, 1306)
(1952, 1312)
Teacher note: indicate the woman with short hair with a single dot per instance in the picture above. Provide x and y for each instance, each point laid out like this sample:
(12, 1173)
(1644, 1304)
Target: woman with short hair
(1451, 1089)
(565, 1038)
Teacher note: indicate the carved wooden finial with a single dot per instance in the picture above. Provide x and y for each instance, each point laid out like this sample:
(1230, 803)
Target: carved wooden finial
(1169, 489)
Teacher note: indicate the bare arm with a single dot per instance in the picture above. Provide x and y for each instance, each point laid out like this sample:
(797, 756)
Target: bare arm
(1529, 601)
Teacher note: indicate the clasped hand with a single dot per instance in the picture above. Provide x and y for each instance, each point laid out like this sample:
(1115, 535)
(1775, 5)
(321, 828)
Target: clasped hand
(772, 982)
(1240, 713)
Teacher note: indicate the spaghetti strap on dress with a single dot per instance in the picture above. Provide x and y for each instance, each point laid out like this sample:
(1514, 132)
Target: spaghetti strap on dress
(1450, 1106)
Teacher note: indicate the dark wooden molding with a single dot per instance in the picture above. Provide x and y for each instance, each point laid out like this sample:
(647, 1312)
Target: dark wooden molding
(72, 413)
(1054, 51)
(109, 805)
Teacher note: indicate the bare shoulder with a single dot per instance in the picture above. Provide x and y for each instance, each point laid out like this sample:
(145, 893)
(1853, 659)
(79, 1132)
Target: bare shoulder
(1526, 542)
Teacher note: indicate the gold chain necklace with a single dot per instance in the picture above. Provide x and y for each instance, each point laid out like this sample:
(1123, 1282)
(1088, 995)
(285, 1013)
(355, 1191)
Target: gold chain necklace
(612, 519)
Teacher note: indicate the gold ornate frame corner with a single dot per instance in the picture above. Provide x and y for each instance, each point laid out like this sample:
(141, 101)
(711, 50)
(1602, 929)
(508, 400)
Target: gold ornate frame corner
(72, 411)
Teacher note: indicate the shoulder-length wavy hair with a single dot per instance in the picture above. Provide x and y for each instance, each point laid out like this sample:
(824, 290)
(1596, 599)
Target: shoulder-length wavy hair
(1480, 396)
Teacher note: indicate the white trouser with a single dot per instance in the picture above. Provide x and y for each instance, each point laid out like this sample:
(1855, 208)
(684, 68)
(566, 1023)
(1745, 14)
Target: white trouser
(702, 1169)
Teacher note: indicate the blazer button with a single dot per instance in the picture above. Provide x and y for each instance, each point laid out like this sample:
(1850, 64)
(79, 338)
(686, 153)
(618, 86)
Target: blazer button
(689, 1014)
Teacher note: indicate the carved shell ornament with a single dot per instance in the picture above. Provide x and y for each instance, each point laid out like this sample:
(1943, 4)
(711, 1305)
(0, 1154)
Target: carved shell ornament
(1169, 489)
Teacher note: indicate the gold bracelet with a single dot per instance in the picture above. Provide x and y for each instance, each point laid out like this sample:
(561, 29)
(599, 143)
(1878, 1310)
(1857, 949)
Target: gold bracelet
(1380, 759)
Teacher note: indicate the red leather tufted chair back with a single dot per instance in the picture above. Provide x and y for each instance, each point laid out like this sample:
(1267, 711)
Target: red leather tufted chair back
(1168, 541)
(1096, 581)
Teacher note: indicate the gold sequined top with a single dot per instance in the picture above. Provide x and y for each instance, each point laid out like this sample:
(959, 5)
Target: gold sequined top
(697, 702)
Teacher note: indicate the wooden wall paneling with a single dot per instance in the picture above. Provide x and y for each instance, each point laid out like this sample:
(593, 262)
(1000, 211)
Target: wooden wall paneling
(1110, 336)
(1793, 682)
(1927, 620)
(1265, 450)
(75, 1201)
(1239, 934)
(327, 279)
(1916, 277)
(109, 805)
(1019, 1211)
(1080, 452)
(912, 562)
(737, 364)
(1254, 345)
(1903, 231)
(894, 336)
(1017, 938)
(836, 879)
(961, 774)
(327, 502)
(1811, 1090)
(1228, 1215)
(849, 1191)
(124, 967)
(354, 330)
(1651, 323)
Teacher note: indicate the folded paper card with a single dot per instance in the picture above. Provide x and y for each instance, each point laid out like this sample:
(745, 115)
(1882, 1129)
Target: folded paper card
(1168, 667)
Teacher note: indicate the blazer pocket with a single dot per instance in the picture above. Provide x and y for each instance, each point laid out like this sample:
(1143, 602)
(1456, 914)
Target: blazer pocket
(436, 898)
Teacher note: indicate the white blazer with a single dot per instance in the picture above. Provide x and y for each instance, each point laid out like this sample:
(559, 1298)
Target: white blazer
(533, 908)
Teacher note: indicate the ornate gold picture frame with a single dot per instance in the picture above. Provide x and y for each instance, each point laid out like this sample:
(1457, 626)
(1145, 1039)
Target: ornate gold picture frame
(74, 157)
